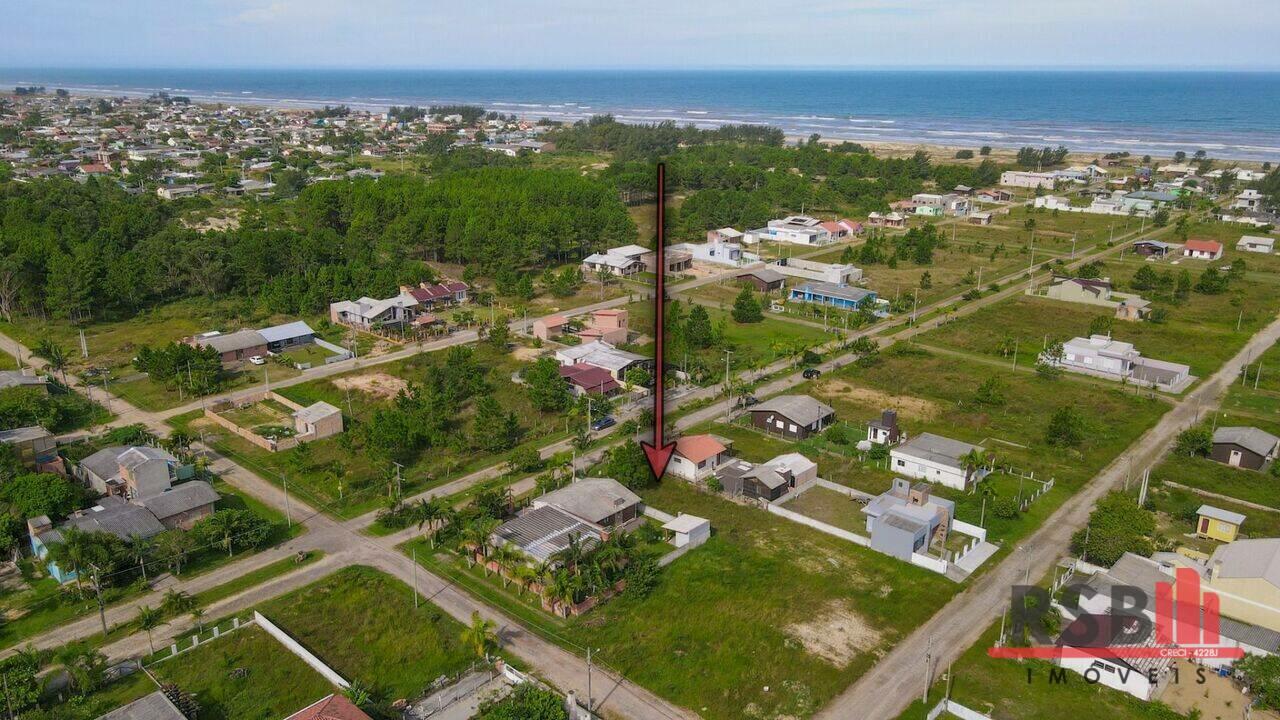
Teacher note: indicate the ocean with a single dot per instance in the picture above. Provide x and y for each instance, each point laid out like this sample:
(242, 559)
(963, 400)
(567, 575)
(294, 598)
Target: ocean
(1227, 114)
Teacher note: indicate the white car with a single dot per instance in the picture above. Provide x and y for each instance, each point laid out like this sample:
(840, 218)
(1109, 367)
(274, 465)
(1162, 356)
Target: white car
(258, 360)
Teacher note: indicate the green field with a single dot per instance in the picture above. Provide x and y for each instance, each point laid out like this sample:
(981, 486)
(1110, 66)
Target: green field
(768, 619)
(1200, 472)
(244, 675)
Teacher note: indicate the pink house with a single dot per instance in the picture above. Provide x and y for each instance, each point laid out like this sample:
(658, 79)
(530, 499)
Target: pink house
(607, 325)
(549, 327)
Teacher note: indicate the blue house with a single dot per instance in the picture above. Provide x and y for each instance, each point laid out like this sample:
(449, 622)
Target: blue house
(825, 293)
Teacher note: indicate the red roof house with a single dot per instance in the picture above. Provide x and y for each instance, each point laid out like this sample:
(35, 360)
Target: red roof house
(589, 379)
(1202, 249)
(334, 707)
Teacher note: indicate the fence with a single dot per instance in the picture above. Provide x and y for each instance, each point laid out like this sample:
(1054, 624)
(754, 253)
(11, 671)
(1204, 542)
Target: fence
(657, 514)
(1044, 488)
(296, 648)
(818, 525)
(965, 528)
(269, 444)
(858, 495)
(928, 563)
(339, 353)
(215, 632)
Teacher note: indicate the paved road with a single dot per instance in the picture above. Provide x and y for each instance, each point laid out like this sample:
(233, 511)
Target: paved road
(896, 680)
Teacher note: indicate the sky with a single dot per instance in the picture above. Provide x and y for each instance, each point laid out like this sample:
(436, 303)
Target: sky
(575, 34)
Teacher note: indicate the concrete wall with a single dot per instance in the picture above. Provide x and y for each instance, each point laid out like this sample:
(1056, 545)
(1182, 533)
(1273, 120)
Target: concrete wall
(961, 526)
(819, 525)
(296, 648)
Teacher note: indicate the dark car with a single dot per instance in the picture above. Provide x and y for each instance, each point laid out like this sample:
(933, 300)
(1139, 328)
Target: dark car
(811, 373)
(604, 422)
(748, 401)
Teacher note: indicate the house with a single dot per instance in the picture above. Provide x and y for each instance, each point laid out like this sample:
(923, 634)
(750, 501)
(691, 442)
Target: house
(1097, 291)
(802, 230)
(994, 195)
(1250, 199)
(1256, 244)
(833, 273)
(1152, 248)
(317, 421)
(282, 337)
(431, 296)
(688, 530)
(884, 430)
(928, 211)
(1023, 179)
(838, 296)
(35, 447)
(938, 459)
(368, 313)
(678, 261)
(549, 327)
(892, 220)
(763, 279)
(155, 706)
(601, 501)
(1218, 524)
(232, 348)
(608, 325)
(767, 481)
(587, 511)
(1052, 202)
(130, 471)
(621, 261)
(725, 234)
(1246, 447)
(792, 416)
(24, 378)
(948, 204)
(907, 519)
(980, 218)
(1246, 576)
(1201, 249)
(1092, 637)
(1100, 356)
(586, 379)
(332, 707)
(716, 253)
(698, 456)
(603, 355)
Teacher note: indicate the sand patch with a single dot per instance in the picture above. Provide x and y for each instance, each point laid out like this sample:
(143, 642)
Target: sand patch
(836, 634)
(379, 385)
(527, 354)
(908, 406)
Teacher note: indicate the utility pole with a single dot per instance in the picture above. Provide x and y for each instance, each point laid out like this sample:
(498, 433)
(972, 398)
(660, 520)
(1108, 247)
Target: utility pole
(1015, 355)
(415, 578)
(288, 516)
(728, 389)
(398, 468)
(102, 606)
(590, 700)
(928, 669)
(84, 347)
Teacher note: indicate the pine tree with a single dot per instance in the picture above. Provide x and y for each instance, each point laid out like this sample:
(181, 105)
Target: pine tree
(746, 309)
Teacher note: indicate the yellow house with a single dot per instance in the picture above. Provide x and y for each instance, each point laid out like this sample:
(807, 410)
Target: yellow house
(1245, 575)
(1218, 524)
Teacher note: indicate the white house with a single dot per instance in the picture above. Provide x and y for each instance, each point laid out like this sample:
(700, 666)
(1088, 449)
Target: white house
(936, 459)
(621, 261)
(697, 457)
(1100, 356)
(1052, 202)
(717, 252)
(1256, 244)
(836, 274)
(1024, 179)
(802, 230)
(1248, 200)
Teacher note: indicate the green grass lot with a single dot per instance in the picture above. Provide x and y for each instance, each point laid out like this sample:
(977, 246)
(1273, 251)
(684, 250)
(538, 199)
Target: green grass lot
(45, 604)
(106, 698)
(1200, 332)
(832, 508)
(1000, 689)
(365, 482)
(1253, 486)
(1258, 394)
(941, 400)
(765, 603)
(1176, 517)
(113, 343)
(276, 682)
(362, 623)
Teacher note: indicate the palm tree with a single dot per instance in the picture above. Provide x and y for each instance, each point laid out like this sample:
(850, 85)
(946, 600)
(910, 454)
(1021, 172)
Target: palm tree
(150, 619)
(75, 552)
(524, 576)
(221, 525)
(177, 602)
(972, 460)
(197, 617)
(572, 554)
(55, 354)
(174, 545)
(140, 549)
(360, 694)
(508, 559)
(476, 535)
(85, 666)
(481, 636)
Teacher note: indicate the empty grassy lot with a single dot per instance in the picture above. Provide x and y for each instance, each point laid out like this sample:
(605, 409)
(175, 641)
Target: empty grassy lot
(246, 675)
(769, 619)
(1253, 486)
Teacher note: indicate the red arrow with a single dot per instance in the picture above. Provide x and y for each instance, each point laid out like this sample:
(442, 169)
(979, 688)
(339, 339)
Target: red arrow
(658, 453)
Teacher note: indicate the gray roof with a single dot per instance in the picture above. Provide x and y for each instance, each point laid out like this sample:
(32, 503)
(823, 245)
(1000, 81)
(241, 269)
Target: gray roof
(1251, 635)
(135, 456)
(18, 378)
(592, 499)
(179, 499)
(831, 290)
(1249, 438)
(1226, 516)
(542, 532)
(238, 340)
(106, 462)
(798, 408)
(24, 434)
(1258, 558)
(1130, 570)
(287, 331)
(111, 515)
(766, 275)
(316, 411)
(936, 448)
(151, 707)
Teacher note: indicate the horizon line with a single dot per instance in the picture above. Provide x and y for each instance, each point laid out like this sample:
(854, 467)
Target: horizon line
(1109, 68)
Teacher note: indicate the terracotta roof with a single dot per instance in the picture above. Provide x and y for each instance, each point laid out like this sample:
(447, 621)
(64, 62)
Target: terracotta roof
(1209, 246)
(589, 378)
(334, 707)
(436, 292)
(697, 448)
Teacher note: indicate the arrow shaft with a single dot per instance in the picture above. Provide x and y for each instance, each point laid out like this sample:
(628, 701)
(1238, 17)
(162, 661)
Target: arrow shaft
(659, 311)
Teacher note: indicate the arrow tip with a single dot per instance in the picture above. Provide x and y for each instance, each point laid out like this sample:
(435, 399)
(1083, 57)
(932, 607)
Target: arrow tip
(658, 457)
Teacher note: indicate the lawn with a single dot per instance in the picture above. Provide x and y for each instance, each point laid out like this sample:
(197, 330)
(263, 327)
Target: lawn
(360, 393)
(1258, 394)
(832, 508)
(768, 619)
(362, 623)
(1176, 517)
(245, 675)
(1253, 486)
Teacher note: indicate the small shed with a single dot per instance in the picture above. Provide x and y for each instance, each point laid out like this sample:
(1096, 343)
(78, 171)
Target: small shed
(1218, 524)
(688, 530)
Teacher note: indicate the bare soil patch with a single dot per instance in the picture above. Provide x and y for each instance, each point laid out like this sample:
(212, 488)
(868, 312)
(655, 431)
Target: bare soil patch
(528, 354)
(907, 406)
(379, 385)
(836, 634)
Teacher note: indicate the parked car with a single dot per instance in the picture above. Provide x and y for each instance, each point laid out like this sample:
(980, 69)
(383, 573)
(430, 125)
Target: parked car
(811, 373)
(748, 401)
(604, 422)
(259, 360)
